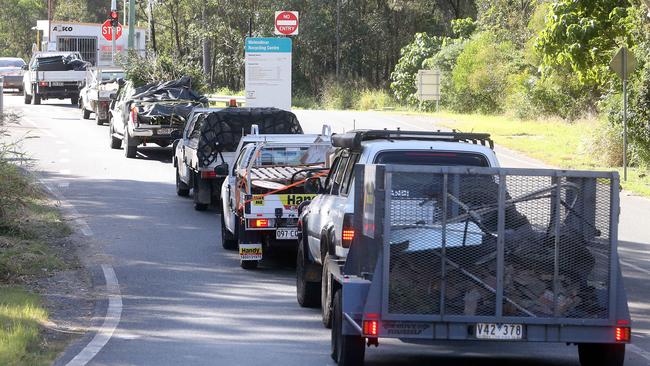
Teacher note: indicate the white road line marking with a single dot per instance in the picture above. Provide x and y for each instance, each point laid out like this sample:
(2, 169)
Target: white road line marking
(111, 321)
(63, 185)
(635, 267)
(643, 353)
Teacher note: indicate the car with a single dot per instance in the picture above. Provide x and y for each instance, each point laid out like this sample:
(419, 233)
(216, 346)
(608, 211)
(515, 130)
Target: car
(94, 97)
(12, 69)
(211, 138)
(325, 224)
(54, 75)
(150, 113)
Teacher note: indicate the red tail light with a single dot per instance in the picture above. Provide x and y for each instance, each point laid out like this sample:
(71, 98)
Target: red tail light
(348, 231)
(622, 334)
(370, 328)
(42, 83)
(134, 116)
(208, 174)
(258, 223)
(232, 103)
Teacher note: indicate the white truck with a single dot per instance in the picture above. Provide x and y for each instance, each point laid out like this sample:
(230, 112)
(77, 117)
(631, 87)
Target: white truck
(51, 75)
(95, 96)
(272, 175)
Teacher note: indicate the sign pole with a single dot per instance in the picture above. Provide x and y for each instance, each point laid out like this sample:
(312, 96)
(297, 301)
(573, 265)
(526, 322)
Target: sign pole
(625, 114)
(131, 39)
(113, 32)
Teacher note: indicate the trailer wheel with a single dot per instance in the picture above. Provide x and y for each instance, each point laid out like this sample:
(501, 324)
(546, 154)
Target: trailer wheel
(181, 188)
(347, 350)
(307, 293)
(592, 354)
(228, 240)
(326, 295)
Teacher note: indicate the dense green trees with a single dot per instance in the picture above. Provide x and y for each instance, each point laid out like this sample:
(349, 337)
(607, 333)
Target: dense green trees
(17, 17)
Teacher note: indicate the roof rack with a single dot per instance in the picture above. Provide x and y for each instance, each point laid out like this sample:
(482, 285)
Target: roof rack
(353, 139)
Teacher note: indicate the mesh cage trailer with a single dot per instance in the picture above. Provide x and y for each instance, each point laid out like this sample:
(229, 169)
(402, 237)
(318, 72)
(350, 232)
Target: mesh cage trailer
(482, 254)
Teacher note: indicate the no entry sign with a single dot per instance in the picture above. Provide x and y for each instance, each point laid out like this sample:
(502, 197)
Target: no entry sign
(286, 23)
(107, 31)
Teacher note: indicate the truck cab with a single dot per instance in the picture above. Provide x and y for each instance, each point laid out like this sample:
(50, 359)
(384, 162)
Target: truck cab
(326, 222)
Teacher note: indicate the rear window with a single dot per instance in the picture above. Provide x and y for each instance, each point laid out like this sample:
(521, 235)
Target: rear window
(439, 158)
(12, 63)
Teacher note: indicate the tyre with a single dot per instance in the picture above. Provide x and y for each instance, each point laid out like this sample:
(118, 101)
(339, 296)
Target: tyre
(98, 121)
(85, 113)
(248, 264)
(347, 350)
(37, 99)
(115, 142)
(129, 151)
(228, 240)
(74, 100)
(307, 293)
(592, 354)
(181, 188)
(325, 297)
(28, 99)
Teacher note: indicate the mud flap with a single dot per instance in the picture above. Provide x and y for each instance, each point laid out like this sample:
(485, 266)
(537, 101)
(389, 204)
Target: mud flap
(204, 191)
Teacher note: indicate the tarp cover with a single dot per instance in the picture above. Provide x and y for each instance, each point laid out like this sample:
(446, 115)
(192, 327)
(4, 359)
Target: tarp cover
(221, 130)
(61, 63)
(176, 90)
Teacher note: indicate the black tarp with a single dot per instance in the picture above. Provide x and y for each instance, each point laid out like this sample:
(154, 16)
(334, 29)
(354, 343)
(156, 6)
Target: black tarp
(176, 90)
(61, 63)
(221, 130)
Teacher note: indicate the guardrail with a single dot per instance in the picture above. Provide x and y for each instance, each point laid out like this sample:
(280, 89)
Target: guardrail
(227, 98)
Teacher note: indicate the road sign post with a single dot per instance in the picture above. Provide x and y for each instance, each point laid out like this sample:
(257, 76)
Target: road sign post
(623, 64)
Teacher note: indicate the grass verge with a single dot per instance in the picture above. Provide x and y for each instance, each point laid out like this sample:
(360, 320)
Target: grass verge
(555, 142)
(28, 224)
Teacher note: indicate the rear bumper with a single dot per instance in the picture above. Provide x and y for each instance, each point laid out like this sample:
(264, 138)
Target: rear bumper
(12, 82)
(58, 92)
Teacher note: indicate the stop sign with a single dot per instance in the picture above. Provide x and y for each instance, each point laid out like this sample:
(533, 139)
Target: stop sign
(286, 23)
(107, 31)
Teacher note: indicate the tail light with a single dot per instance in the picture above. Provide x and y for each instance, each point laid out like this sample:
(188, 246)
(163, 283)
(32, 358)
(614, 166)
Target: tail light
(258, 223)
(210, 174)
(370, 328)
(348, 231)
(134, 116)
(42, 83)
(622, 334)
(232, 103)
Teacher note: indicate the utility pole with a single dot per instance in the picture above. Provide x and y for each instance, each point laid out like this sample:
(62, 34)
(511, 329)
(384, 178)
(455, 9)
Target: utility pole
(206, 42)
(131, 24)
(338, 37)
(152, 26)
(50, 16)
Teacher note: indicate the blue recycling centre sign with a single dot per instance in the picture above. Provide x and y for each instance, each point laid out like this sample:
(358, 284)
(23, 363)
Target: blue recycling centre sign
(263, 45)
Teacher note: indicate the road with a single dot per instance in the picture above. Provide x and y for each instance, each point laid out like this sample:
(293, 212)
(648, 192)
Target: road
(185, 301)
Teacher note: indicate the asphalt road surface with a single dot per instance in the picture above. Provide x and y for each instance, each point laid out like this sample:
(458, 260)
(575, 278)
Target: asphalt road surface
(184, 299)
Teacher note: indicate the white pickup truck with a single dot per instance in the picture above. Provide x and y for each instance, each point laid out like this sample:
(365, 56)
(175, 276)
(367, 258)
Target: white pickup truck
(51, 75)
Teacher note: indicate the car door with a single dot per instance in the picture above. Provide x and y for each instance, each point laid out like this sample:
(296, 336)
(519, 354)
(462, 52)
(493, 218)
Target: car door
(229, 190)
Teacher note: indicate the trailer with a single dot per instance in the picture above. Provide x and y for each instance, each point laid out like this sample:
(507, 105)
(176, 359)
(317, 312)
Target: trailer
(490, 255)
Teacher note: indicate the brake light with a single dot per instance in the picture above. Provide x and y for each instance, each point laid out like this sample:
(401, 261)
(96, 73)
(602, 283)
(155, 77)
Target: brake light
(622, 334)
(258, 223)
(232, 103)
(42, 83)
(370, 328)
(348, 231)
(208, 174)
(134, 116)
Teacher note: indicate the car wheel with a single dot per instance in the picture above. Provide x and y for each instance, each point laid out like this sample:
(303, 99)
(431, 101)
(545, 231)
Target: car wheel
(592, 354)
(307, 293)
(37, 99)
(347, 350)
(325, 299)
(85, 113)
(228, 240)
(115, 142)
(98, 121)
(28, 99)
(129, 151)
(74, 100)
(181, 188)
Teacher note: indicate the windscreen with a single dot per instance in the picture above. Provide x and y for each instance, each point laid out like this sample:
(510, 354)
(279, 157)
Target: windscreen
(12, 63)
(287, 156)
(437, 158)
(112, 75)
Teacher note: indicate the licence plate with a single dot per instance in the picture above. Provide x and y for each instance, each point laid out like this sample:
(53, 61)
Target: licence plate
(164, 131)
(250, 252)
(499, 331)
(286, 234)
(57, 83)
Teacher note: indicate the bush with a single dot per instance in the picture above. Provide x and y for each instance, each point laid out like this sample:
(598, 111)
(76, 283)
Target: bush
(152, 68)
(341, 95)
(374, 99)
(606, 143)
(445, 60)
(480, 77)
(304, 101)
(412, 57)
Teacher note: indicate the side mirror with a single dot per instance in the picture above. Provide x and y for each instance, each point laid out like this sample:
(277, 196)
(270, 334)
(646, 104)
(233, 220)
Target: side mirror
(175, 135)
(113, 96)
(221, 169)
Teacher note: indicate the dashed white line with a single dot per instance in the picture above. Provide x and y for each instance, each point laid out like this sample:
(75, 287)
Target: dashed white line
(111, 320)
(643, 353)
(635, 267)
